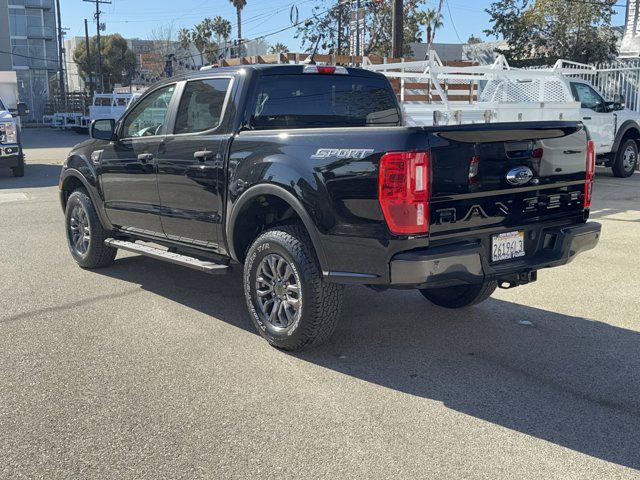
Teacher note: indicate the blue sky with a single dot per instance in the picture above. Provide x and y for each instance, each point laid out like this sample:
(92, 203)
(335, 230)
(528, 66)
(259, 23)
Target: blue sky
(138, 18)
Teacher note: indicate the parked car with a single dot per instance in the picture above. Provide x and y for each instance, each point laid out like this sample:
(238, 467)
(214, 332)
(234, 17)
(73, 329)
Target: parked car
(306, 177)
(614, 128)
(11, 154)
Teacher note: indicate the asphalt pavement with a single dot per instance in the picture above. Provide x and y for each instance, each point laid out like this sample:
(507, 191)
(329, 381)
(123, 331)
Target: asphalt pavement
(146, 370)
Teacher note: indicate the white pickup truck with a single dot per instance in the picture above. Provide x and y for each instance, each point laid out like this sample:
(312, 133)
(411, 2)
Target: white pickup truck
(11, 155)
(614, 128)
(432, 93)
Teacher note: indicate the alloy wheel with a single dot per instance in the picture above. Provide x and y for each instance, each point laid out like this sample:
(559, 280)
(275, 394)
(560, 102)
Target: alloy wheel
(79, 230)
(278, 289)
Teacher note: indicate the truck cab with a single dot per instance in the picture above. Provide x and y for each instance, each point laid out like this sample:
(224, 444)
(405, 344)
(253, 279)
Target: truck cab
(614, 128)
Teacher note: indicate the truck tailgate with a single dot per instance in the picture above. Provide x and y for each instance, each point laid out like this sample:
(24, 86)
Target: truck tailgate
(497, 176)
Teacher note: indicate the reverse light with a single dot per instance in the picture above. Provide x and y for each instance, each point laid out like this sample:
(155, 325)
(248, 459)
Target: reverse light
(325, 69)
(474, 167)
(404, 192)
(591, 173)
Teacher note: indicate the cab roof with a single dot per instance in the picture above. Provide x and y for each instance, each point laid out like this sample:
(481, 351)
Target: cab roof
(263, 69)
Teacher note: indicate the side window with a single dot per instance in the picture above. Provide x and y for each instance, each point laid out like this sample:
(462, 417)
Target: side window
(587, 96)
(201, 105)
(148, 117)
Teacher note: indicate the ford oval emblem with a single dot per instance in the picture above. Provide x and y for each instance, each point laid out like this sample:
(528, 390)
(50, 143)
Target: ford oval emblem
(519, 176)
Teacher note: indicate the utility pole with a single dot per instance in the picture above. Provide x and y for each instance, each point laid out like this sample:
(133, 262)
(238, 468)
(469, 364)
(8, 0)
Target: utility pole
(62, 89)
(98, 27)
(357, 27)
(339, 26)
(397, 29)
(86, 40)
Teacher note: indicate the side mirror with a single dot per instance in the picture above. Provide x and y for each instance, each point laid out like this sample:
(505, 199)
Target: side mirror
(23, 110)
(103, 129)
(618, 98)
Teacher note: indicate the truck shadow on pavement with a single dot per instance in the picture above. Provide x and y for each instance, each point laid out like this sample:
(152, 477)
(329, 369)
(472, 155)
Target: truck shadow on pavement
(568, 380)
(36, 175)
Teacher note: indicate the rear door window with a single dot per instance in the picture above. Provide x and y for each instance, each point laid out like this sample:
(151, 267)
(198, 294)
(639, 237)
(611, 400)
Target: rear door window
(201, 106)
(308, 101)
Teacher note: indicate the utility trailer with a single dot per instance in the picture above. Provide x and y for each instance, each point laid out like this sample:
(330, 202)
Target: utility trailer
(104, 106)
(432, 93)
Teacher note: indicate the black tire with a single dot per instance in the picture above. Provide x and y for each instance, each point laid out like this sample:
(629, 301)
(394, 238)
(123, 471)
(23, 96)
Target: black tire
(460, 296)
(626, 159)
(92, 253)
(18, 170)
(319, 302)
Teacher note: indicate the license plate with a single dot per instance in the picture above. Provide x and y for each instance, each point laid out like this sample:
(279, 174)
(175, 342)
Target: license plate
(506, 246)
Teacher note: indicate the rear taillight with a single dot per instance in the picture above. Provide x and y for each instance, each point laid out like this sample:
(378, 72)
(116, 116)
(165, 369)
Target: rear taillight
(591, 172)
(404, 192)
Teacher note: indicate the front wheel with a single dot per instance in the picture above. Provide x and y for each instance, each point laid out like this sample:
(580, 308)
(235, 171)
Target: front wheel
(85, 233)
(18, 170)
(459, 296)
(626, 159)
(290, 303)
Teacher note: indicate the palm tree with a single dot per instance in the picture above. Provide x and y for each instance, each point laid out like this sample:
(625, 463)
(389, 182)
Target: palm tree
(279, 48)
(201, 37)
(239, 4)
(433, 21)
(222, 29)
(184, 38)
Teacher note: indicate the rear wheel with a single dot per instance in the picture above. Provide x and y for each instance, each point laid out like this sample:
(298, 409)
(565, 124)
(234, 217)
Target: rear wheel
(290, 304)
(459, 296)
(626, 159)
(85, 234)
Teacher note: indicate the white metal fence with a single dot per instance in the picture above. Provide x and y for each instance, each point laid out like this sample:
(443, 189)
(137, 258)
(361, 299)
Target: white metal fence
(621, 77)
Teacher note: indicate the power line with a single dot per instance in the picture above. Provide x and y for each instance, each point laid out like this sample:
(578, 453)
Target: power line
(452, 22)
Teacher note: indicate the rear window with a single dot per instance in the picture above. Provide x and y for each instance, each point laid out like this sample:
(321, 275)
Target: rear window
(311, 100)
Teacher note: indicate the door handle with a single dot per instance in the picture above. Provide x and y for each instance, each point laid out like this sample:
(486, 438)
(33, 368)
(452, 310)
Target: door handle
(586, 118)
(145, 157)
(203, 155)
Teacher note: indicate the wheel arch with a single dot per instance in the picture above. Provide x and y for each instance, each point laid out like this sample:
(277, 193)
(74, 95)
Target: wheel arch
(629, 129)
(72, 179)
(253, 197)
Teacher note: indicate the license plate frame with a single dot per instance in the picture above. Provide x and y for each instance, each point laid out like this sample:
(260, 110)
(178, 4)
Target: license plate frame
(507, 246)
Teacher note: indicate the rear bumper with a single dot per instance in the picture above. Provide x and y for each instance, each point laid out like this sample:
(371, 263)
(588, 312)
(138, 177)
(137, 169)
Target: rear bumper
(469, 263)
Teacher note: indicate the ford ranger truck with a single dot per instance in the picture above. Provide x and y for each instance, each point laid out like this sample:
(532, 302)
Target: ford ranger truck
(304, 177)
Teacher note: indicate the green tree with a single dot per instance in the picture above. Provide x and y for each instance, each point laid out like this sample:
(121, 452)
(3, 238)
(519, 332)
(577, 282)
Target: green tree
(222, 29)
(433, 21)
(118, 60)
(323, 25)
(278, 48)
(201, 37)
(542, 31)
(239, 4)
(184, 38)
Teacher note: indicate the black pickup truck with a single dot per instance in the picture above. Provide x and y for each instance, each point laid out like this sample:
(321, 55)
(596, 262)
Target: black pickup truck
(305, 175)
